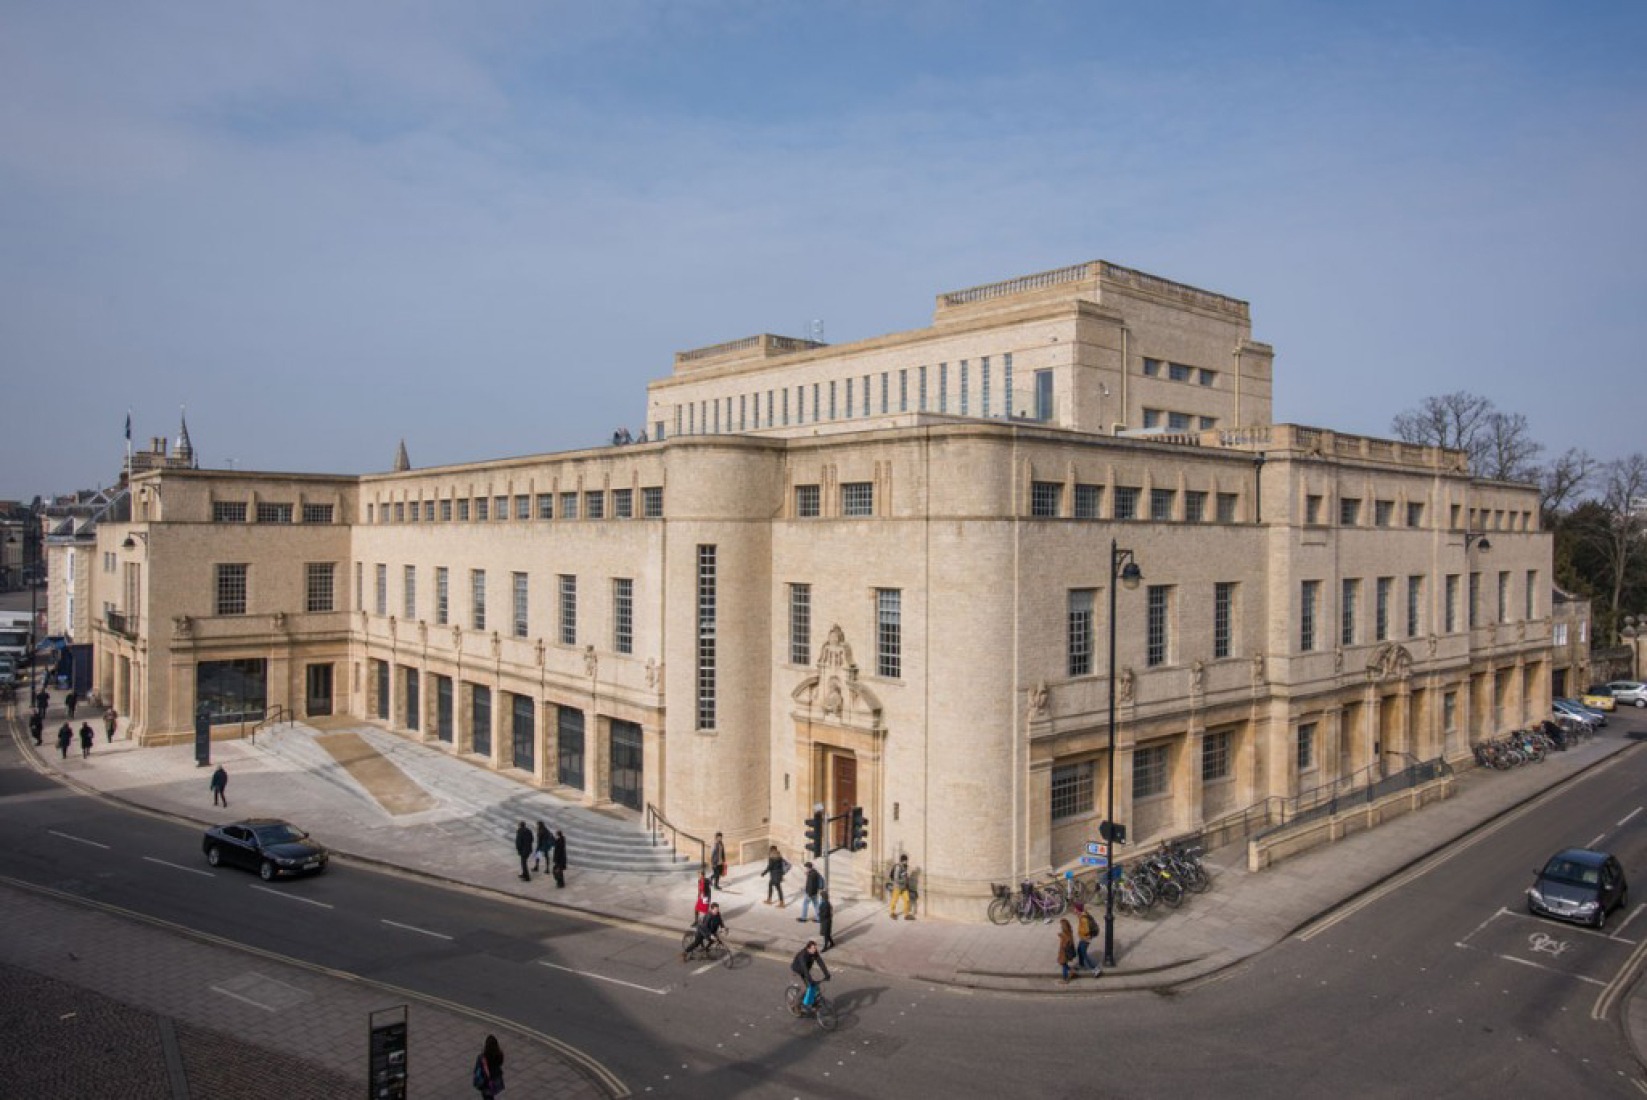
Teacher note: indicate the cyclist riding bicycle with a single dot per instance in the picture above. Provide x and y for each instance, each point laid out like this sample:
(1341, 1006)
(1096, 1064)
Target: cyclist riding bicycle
(707, 929)
(802, 966)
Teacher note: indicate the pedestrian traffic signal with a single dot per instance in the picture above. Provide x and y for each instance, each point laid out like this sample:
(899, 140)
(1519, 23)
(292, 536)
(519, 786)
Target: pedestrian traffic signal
(859, 839)
(1113, 832)
(815, 833)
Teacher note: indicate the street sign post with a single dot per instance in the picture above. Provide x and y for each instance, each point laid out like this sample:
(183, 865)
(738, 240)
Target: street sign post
(1096, 849)
(1095, 861)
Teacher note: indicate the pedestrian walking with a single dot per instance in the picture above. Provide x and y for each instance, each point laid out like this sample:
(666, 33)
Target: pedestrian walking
(826, 921)
(559, 859)
(220, 787)
(37, 726)
(86, 739)
(540, 851)
(1066, 948)
(488, 1079)
(701, 906)
(1086, 930)
(65, 737)
(111, 718)
(810, 889)
(42, 700)
(897, 885)
(70, 701)
(776, 868)
(717, 862)
(523, 846)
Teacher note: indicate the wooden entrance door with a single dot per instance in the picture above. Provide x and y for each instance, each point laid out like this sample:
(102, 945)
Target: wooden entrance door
(843, 784)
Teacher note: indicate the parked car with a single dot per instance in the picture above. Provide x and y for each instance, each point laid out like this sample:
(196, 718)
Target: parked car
(8, 670)
(1633, 692)
(1597, 696)
(1579, 885)
(266, 845)
(1579, 712)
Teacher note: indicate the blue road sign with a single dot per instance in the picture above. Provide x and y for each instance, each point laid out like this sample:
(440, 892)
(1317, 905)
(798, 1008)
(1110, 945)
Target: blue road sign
(1094, 848)
(1095, 861)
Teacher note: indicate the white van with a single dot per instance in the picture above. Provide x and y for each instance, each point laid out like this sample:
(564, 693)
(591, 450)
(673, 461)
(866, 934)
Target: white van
(14, 635)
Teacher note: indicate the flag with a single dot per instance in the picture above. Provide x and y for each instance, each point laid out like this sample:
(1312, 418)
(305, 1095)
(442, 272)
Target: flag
(128, 427)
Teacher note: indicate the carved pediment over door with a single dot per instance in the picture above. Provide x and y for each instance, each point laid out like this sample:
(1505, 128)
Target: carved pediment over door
(833, 693)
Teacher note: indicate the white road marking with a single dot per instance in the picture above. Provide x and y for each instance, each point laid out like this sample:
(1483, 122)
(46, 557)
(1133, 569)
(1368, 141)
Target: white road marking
(178, 866)
(243, 1000)
(1550, 969)
(78, 839)
(603, 978)
(292, 897)
(414, 928)
(1625, 819)
(705, 968)
(1595, 841)
(1634, 913)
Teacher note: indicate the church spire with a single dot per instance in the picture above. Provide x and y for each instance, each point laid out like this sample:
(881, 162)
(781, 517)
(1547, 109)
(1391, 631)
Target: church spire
(402, 463)
(184, 451)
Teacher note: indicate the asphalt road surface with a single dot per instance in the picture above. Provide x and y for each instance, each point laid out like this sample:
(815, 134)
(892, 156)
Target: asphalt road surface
(1436, 982)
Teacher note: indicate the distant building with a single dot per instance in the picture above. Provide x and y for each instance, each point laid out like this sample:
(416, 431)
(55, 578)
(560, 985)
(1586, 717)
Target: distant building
(878, 574)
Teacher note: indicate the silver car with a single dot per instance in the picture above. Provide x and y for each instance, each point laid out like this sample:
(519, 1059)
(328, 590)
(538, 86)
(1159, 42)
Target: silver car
(1633, 692)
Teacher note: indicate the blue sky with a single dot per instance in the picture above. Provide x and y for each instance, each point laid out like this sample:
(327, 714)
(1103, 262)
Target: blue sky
(484, 227)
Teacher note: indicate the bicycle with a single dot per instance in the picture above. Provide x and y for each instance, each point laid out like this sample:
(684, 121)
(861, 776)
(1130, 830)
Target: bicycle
(1132, 895)
(821, 1010)
(1045, 902)
(715, 949)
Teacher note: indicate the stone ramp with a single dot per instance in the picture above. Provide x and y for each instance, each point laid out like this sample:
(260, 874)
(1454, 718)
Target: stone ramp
(386, 783)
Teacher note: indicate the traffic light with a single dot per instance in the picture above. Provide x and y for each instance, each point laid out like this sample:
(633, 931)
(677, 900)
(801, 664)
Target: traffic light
(859, 840)
(815, 833)
(1113, 832)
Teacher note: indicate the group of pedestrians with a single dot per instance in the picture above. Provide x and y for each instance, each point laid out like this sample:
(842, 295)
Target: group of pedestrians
(546, 847)
(66, 733)
(1073, 943)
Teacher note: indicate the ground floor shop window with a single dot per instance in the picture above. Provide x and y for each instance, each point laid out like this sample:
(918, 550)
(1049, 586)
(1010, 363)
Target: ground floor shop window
(480, 718)
(524, 730)
(232, 691)
(626, 764)
(569, 735)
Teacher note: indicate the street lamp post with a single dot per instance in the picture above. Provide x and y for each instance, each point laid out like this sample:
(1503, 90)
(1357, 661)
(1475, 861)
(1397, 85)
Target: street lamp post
(1123, 569)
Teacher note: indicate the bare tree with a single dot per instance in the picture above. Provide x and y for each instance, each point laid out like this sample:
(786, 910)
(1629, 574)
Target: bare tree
(1619, 541)
(1498, 444)
(1561, 482)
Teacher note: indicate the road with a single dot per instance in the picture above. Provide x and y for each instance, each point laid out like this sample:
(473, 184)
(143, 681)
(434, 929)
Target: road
(1435, 982)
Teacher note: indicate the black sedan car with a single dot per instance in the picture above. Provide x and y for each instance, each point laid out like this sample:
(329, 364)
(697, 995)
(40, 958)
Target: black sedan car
(267, 845)
(1579, 885)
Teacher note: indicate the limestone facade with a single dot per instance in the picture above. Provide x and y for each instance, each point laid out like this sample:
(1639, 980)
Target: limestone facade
(897, 606)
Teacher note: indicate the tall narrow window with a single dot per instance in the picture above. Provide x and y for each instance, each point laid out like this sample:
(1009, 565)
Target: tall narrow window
(943, 387)
(382, 592)
(1223, 618)
(568, 591)
(360, 586)
(521, 603)
(1451, 606)
(983, 383)
(408, 592)
(1475, 601)
(1415, 605)
(922, 391)
(708, 611)
(1215, 755)
(889, 637)
(800, 624)
(1157, 640)
(1149, 771)
(477, 599)
(1043, 395)
(1126, 502)
(1381, 619)
(1530, 610)
(231, 581)
(623, 615)
(1079, 644)
(443, 607)
(1006, 385)
(1309, 596)
(318, 594)
(1071, 790)
(1503, 596)
(1045, 498)
(1347, 609)
(965, 402)
(1306, 746)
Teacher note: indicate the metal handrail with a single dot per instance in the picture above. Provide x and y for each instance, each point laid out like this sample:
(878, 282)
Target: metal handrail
(279, 714)
(656, 823)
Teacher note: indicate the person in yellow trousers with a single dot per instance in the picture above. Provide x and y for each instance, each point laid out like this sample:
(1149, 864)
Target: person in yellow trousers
(898, 886)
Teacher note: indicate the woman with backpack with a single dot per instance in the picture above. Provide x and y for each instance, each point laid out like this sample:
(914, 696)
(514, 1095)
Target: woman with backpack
(489, 1069)
(1086, 930)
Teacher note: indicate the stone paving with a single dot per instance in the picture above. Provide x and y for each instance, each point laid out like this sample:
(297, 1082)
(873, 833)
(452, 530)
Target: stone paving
(468, 840)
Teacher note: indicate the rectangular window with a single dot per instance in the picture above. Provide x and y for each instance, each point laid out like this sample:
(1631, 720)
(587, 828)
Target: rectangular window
(546, 505)
(594, 504)
(1558, 634)
(1157, 641)
(1503, 596)
(832, 399)
(1195, 506)
(1045, 497)
(360, 586)
(1450, 609)
(1309, 596)
(708, 611)
(623, 615)
(318, 586)
(1349, 511)
(1383, 512)
(1178, 422)
(1152, 368)
(463, 510)
(903, 390)
(400, 512)
(1149, 771)
(1071, 790)
(1415, 514)
(523, 506)
(428, 511)
(1088, 499)
(652, 502)
(477, 599)
(1215, 756)
(1152, 418)
(1208, 423)
(1206, 377)
(381, 604)
(274, 513)
(1079, 632)
(1530, 611)
(1381, 620)
(1223, 618)
(1160, 504)
(1006, 385)
(1415, 598)
(446, 511)
(231, 589)
(1043, 396)
(521, 604)
(408, 592)
(943, 387)
(885, 390)
(1350, 597)
(1474, 609)
(1126, 502)
(858, 498)
(228, 511)
(800, 624)
(1306, 746)
(965, 404)
(1312, 509)
(483, 509)
(1179, 372)
(623, 503)
(889, 637)
(569, 506)
(817, 408)
(1226, 507)
(1449, 711)
(443, 604)
(808, 501)
(317, 513)
(983, 381)
(568, 626)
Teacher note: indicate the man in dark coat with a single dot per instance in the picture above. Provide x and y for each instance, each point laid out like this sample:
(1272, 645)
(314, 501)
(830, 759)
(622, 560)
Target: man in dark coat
(558, 863)
(220, 786)
(523, 845)
(86, 739)
(71, 700)
(37, 727)
(826, 921)
(65, 737)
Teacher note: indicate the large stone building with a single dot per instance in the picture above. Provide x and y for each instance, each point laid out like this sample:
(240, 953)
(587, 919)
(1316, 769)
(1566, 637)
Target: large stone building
(879, 574)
